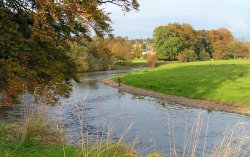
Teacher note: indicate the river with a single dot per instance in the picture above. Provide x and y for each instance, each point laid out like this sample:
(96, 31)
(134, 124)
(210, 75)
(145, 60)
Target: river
(152, 124)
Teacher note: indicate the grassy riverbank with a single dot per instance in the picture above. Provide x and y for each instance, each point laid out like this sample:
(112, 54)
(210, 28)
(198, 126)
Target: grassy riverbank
(37, 138)
(44, 150)
(226, 81)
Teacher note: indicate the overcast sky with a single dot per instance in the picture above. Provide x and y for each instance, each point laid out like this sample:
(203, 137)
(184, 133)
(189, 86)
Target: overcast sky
(202, 14)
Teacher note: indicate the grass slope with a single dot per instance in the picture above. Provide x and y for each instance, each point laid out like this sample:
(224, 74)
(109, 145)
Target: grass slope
(38, 139)
(227, 81)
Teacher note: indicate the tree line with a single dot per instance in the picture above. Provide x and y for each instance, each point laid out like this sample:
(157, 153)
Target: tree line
(182, 42)
(101, 53)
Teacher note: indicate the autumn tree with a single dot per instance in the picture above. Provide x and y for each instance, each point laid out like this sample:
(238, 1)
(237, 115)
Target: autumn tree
(220, 38)
(34, 37)
(137, 51)
(187, 35)
(247, 45)
(120, 47)
(237, 49)
(94, 55)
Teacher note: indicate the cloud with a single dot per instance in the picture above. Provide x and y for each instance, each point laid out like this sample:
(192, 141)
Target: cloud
(202, 14)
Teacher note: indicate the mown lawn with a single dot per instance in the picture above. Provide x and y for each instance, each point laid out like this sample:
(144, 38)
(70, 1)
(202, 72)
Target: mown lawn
(227, 81)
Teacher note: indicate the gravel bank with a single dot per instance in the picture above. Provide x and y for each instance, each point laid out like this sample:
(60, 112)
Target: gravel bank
(203, 104)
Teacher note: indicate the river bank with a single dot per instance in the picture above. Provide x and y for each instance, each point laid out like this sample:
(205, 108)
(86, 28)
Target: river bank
(195, 103)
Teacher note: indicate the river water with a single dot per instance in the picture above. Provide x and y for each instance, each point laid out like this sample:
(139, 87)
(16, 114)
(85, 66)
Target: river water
(151, 124)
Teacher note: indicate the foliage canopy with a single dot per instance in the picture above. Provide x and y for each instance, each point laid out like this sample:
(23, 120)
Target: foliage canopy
(34, 41)
(174, 39)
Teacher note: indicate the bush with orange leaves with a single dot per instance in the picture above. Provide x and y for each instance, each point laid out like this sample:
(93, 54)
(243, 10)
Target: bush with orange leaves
(152, 59)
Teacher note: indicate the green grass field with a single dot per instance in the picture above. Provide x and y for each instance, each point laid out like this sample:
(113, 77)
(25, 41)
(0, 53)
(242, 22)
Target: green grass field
(227, 81)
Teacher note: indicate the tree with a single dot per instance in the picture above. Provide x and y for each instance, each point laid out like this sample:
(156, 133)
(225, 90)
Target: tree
(164, 35)
(212, 42)
(170, 49)
(161, 34)
(187, 35)
(34, 42)
(237, 49)
(149, 40)
(247, 45)
(220, 38)
(204, 56)
(143, 46)
(202, 44)
(137, 52)
(139, 41)
(95, 55)
(120, 47)
(187, 56)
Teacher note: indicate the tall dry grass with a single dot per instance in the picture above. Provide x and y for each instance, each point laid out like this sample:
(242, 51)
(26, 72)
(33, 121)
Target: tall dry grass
(235, 142)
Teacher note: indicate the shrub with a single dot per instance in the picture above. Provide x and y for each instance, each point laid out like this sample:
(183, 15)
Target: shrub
(152, 60)
(187, 56)
(145, 56)
(181, 57)
(204, 56)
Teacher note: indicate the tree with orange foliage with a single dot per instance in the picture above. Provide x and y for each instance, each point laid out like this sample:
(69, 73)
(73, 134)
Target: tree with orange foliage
(35, 37)
(121, 48)
(237, 49)
(220, 38)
